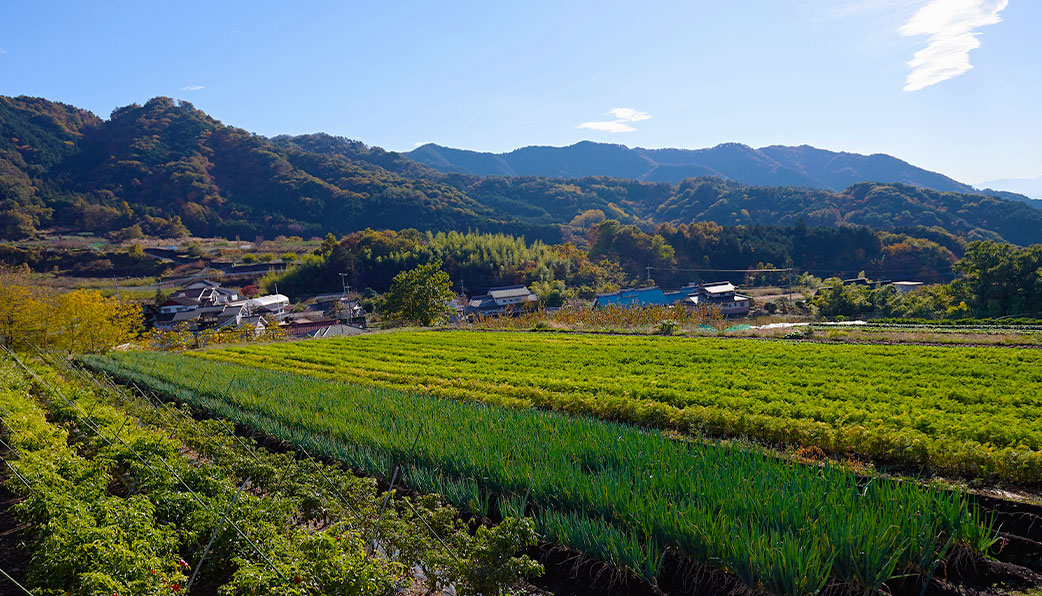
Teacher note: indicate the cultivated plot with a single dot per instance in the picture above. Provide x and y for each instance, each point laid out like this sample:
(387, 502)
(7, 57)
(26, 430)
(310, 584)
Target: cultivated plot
(976, 412)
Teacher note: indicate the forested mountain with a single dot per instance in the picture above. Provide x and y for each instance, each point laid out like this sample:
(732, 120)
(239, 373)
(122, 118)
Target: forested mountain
(881, 206)
(767, 166)
(709, 198)
(165, 168)
(35, 134)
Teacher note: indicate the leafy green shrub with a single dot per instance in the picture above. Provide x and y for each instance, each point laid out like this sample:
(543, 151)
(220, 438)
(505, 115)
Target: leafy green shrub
(117, 516)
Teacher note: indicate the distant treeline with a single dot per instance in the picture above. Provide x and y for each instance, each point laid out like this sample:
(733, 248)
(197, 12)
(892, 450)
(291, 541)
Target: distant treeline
(978, 279)
(995, 280)
(618, 255)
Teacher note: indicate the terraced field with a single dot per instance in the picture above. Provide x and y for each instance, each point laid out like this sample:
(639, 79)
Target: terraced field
(975, 412)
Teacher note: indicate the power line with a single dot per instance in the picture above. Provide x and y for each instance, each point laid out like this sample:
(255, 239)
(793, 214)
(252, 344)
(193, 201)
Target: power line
(85, 419)
(883, 271)
(721, 270)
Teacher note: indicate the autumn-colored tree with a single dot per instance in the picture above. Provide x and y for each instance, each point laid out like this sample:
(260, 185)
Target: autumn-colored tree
(87, 321)
(23, 312)
(79, 321)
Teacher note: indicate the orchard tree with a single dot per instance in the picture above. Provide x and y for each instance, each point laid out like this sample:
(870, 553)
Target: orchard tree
(420, 295)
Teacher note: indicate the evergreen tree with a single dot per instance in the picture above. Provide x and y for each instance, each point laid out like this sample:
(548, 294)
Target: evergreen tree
(420, 295)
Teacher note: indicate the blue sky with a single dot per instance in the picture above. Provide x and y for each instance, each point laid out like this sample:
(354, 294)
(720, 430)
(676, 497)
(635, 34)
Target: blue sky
(494, 76)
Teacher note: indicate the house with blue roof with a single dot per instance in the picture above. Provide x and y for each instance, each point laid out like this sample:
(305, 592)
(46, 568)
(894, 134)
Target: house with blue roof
(721, 295)
(634, 297)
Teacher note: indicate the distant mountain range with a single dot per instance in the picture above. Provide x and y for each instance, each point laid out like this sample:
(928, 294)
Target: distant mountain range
(777, 165)
(1031, 187)
(166, 168)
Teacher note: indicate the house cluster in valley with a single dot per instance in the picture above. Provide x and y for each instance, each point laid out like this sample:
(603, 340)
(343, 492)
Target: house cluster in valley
(204, 304)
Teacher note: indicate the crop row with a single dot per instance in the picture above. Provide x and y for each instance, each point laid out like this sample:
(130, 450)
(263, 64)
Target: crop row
(976, 412)
(621, 492)
(115, 506)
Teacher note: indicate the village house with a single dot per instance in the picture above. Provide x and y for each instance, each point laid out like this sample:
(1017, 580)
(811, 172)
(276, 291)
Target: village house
(634, 297)
(502, 300)
(864, 281)
(457, 308)
(907, 286)
(205, 304)
(340, 307)
(722, 295)
(196, 295)
(271, 304)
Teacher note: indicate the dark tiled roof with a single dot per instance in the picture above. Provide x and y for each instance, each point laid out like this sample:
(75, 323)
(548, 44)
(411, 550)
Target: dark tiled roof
(509, 292)
(330, 297)
(181, 301)
(483, 302)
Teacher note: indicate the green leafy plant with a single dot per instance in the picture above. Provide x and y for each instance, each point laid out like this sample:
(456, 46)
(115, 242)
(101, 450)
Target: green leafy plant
(620, 493)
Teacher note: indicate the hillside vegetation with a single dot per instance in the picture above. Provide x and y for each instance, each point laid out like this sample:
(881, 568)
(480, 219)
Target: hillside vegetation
(617, 256)
(166, 169)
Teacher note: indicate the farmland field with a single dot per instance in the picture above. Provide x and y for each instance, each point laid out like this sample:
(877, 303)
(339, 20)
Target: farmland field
(108, 503)
(975, 412)
(623, 494)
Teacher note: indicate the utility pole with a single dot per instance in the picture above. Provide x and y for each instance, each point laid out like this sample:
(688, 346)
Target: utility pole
(788, 294)
(649, 272)
(343, 280)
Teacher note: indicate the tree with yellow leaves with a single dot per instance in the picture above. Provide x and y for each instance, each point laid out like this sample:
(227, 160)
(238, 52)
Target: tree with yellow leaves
(87, 321)
(23, 311)
(80, 321)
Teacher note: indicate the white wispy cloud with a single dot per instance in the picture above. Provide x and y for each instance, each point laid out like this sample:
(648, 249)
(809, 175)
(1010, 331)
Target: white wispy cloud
(608, 126)
(3, 51)
(951, 27)
(192, 88)
(623, 116)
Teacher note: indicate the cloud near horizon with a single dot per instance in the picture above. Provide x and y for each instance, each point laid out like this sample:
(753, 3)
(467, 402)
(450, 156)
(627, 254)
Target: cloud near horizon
(192, 88)
(951, 27)
(623, 116)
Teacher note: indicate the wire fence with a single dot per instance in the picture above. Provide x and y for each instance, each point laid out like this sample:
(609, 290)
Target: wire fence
(87, 422)
(170, 420)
